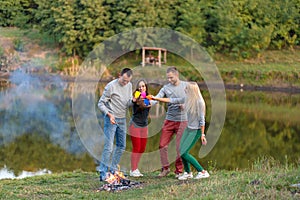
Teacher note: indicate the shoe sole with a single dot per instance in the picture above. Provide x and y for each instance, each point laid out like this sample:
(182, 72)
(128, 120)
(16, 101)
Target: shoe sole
(182, 179)
(138, 175)
(202, 177)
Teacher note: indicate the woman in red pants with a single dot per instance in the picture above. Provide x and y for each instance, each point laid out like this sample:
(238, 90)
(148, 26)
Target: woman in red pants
(138, 128)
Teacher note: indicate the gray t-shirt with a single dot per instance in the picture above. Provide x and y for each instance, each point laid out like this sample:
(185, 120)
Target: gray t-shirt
(116, 99)
(174, 112)
(194, 122)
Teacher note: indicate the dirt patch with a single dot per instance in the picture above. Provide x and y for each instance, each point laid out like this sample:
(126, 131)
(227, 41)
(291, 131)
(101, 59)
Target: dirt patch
(38, 59)
(13, 59)
(6, 44)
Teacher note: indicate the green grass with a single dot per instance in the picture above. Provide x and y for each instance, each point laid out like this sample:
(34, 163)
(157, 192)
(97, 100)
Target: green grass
(11, 32)
(274, 68)
(263, 68)
(265, 180)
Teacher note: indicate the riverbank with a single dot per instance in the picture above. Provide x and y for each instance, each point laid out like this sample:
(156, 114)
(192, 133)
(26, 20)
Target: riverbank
(265, 180)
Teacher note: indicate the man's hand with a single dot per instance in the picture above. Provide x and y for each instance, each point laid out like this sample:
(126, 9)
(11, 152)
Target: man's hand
(112, 118)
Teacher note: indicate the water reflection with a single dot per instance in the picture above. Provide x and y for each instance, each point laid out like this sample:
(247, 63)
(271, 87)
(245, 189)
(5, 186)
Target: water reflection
(36, 126)
(37, 130)
(259, 124)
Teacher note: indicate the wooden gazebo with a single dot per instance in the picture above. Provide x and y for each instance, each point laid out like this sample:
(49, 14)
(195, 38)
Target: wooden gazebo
(149, 59)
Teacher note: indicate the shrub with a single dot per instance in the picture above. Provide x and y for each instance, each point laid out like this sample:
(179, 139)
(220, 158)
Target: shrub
(18, 44)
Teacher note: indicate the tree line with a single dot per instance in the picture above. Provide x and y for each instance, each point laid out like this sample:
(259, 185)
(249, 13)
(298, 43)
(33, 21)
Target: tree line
(238, 28)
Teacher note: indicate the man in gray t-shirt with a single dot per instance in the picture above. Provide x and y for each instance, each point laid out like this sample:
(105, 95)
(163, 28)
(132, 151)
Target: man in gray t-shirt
(175, 122)
(115, 100)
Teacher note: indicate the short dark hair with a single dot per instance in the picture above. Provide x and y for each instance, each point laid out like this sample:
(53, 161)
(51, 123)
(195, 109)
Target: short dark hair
(127, 71)
(172, 69)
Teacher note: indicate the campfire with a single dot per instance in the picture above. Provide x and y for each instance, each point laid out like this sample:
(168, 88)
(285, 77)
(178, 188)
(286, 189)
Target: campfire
(118, 182)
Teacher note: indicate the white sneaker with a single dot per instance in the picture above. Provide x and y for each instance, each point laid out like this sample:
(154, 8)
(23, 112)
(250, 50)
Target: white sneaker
(177, 175)
(135, 173)
(203, 174)
(185, 176)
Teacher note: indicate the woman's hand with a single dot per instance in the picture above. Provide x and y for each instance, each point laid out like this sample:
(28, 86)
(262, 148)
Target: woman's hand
(203, 139)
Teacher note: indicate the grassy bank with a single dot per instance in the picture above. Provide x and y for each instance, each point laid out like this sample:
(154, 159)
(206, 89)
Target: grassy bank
(273, 69)
(265, 180)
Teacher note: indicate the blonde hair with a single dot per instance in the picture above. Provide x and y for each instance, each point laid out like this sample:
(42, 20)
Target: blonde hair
(193, 97)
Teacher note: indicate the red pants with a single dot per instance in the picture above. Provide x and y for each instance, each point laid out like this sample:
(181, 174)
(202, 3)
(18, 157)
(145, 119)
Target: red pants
(139, 137)
(169, 129)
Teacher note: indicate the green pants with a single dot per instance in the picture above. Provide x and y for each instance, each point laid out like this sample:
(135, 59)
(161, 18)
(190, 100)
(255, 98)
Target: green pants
(188, 140)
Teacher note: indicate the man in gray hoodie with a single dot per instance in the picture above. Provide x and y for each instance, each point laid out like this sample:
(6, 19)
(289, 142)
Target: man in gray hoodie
(116, 98)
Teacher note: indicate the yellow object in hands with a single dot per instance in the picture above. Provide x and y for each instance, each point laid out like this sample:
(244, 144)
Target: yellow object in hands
(137, 94)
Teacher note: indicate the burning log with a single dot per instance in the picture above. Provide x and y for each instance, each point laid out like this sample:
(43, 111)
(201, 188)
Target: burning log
(115, 178)
(124, 184)
(118, 182)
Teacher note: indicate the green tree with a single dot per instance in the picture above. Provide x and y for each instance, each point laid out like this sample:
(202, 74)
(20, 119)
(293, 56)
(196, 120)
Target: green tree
(76, 24)
(286, 16)
(191, 22)
(92, 25)
(240, 28)
(128, 15)
(17, 13)
(65, 20)
(44, 17)
(233, 28)
(25, 17)
(8, 11)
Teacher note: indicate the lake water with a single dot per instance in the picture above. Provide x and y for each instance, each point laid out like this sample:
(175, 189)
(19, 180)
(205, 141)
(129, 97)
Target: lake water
(37, 129)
